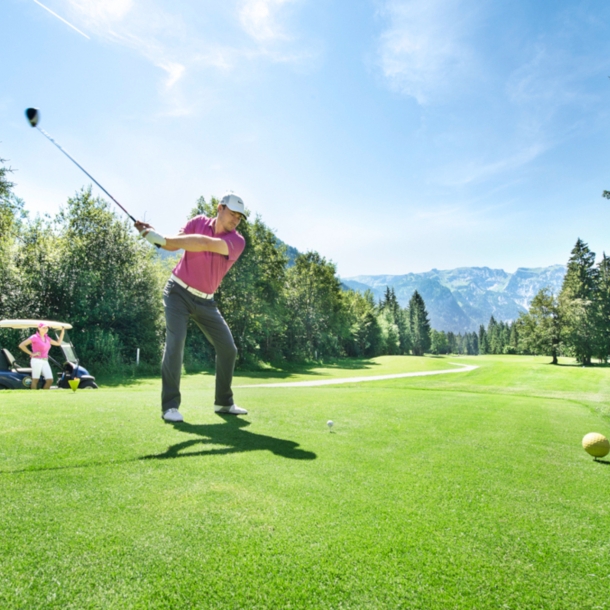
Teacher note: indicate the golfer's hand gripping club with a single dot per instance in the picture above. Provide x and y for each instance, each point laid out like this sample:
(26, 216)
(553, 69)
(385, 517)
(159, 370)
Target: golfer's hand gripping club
(149, 234)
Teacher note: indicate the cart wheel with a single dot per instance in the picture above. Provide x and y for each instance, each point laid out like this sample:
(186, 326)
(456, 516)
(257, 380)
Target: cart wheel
(87, 385)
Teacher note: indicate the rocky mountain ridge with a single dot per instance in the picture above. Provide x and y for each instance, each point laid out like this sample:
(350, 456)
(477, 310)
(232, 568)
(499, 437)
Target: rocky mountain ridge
(459, 300)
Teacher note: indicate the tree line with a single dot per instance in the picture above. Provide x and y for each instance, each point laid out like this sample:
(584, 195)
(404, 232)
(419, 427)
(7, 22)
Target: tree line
(88, 267)
(574, 323)
(577, 321)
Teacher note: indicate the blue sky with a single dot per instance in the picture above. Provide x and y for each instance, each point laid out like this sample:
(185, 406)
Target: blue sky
(392, 136)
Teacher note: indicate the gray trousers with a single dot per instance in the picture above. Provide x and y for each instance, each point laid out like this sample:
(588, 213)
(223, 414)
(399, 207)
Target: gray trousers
(180, 305)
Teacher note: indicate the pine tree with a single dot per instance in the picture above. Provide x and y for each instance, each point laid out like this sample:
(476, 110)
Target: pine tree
(602, 310)
(419, 325)
(390, 302)
(577, 303)
(513, 340)
(394, 324)
(451, 343)
(483, 343)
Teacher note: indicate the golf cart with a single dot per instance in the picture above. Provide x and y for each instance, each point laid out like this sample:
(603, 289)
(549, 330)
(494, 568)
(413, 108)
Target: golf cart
(13, 376)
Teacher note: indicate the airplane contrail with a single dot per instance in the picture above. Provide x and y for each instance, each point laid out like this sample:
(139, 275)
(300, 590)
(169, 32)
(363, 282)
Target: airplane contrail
(61, 19)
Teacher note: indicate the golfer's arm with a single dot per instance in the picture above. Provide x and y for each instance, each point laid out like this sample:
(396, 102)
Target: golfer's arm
(23, 347)
(197, 243)
(170, 249)
(59, 340)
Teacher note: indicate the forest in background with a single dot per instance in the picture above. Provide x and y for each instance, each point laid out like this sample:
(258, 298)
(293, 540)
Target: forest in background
(88, 267)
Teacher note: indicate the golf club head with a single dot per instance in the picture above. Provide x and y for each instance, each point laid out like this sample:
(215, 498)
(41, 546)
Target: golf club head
(33, 116)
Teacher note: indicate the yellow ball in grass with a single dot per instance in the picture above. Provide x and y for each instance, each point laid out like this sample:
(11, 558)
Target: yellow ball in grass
(596, 444)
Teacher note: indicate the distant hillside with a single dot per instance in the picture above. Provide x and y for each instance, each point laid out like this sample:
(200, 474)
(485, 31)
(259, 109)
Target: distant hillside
(461, 299)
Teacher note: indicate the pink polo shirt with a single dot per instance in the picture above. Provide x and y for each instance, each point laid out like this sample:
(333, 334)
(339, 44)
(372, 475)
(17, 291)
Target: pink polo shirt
(41, 345)
(204, 270)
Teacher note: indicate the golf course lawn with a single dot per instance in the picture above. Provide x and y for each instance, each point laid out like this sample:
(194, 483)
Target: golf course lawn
(466, 490)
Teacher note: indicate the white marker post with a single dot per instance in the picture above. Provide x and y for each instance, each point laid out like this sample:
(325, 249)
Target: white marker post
(138, 357)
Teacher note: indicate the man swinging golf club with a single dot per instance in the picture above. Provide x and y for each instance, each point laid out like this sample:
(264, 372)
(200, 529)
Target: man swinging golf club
(211, 247)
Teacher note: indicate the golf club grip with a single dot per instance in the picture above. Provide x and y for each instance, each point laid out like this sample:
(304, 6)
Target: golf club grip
(44, 133)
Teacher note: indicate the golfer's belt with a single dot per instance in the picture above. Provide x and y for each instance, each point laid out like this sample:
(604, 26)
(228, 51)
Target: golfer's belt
(197, 293)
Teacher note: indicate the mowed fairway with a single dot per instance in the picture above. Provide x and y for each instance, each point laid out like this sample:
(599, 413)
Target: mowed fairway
(468, 490)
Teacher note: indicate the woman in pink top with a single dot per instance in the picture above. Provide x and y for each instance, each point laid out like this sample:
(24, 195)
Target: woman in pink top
(39, 355)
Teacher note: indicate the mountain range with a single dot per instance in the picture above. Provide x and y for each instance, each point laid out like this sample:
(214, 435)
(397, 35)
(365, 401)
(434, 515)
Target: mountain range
(459, 300)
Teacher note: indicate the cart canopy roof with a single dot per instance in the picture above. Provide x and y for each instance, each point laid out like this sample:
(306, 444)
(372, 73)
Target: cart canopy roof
(33, 324)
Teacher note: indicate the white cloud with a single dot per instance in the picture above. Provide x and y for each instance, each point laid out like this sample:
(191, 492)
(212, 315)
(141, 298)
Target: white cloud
(98, 11)
(526, 95)
(174, 72)
(553, 78)
(184, 39)
(46, 8)
(424, 52)
(147, 30)
(260, 19)
(473, 171)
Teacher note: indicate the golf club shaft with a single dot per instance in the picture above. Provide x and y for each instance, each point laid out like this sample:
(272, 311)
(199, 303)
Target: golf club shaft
(46, 135)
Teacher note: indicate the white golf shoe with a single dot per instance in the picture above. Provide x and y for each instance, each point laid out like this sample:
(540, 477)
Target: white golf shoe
(172, 416)
(232, 410)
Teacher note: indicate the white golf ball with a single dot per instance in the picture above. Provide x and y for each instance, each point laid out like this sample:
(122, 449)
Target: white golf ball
(330, 423)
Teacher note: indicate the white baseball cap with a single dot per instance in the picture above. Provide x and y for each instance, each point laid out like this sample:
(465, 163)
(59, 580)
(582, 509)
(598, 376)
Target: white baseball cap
(234, 203)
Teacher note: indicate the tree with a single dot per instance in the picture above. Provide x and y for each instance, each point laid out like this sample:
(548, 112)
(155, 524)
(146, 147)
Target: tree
(512, 346)
(318, 324)
(577, 303)
(389, 332)
(394, 324)
(452, 343)
(390, 302)
(541, 325)
(438, 342)
(5, 184)
(602, 310)
(482, 341)
(88, 267)
(419, 325)
(365, 338)
(252, 296)
(11, 216)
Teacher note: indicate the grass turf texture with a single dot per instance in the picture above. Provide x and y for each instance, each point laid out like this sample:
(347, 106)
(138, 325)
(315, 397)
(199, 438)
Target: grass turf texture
(458, 491)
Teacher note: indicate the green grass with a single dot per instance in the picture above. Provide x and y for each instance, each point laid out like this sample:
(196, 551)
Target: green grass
(460, 491)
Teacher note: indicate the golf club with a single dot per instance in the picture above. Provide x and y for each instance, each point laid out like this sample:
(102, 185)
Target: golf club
(33, 116)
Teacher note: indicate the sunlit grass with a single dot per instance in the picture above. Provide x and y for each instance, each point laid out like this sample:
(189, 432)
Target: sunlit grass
(457, 491)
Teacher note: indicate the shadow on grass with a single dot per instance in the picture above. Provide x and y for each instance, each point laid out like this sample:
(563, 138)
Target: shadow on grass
(235, 440)
(605, 462)
(131, 377)
(230, 433)
(290, 370)
(576, 365)
(117, 381)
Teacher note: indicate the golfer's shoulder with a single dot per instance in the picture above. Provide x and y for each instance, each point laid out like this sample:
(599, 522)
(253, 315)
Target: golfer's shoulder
(236, 243)
(238, 238)
(198, 224)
